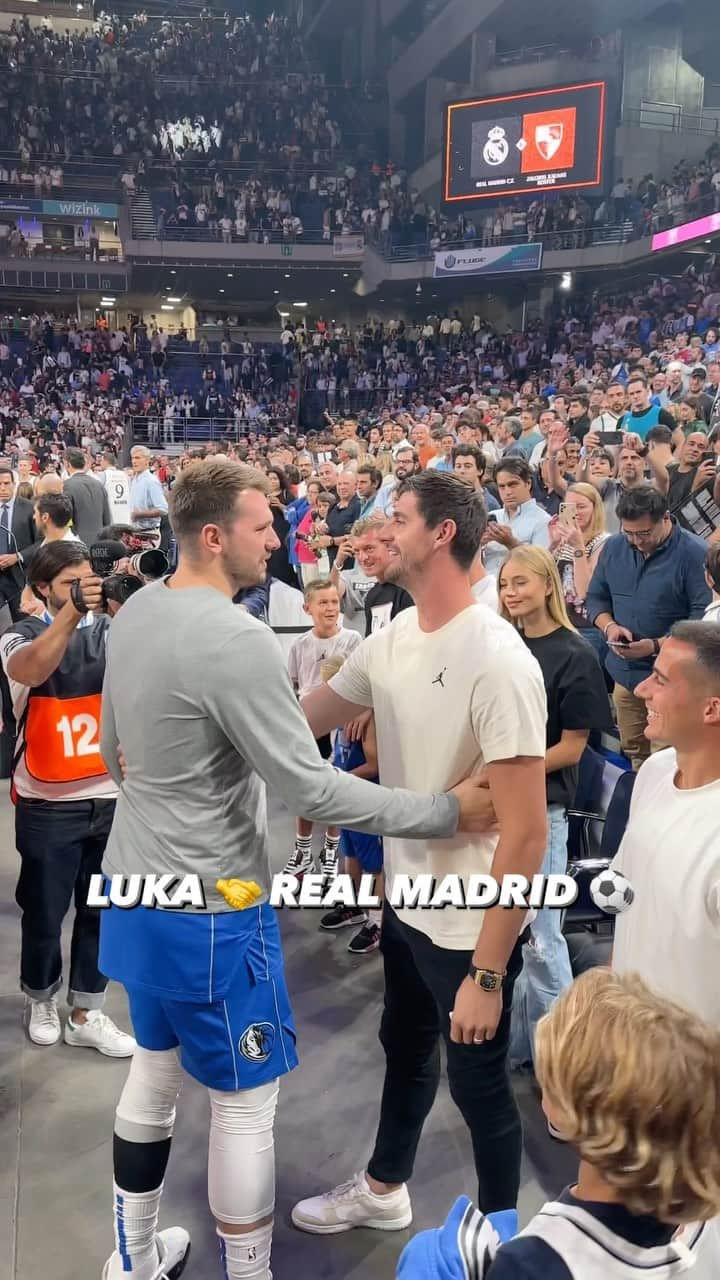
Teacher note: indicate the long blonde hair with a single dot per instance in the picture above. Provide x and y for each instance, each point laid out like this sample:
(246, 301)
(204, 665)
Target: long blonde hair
(539, 561)
(598, 524)
(635, 1083)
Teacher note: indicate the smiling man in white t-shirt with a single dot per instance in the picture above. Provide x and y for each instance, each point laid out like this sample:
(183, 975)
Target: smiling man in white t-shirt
(670, 852)
(454, 691)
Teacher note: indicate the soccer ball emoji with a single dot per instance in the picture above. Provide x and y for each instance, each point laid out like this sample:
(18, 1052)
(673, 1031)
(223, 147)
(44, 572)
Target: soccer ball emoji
(611, 892)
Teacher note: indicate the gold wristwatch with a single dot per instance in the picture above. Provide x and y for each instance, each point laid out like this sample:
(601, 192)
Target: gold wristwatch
(486, 979)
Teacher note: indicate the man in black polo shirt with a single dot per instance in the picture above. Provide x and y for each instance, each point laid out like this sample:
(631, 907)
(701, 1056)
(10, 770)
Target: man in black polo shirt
(342, 516)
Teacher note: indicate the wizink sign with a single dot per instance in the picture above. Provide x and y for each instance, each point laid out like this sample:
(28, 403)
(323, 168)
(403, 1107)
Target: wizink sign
(79, 209)
(61, 208)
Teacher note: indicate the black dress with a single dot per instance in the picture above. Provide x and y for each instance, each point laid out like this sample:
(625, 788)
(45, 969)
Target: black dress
(279, 563)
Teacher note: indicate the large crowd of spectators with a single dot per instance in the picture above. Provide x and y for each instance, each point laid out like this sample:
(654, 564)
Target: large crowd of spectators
(166, 384)
(225, 119)
(595, 339)
(144, 90)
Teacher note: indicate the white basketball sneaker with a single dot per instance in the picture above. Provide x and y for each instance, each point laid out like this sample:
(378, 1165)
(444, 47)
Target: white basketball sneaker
(353, 1204)
(44, 1022)
(173, 1246)
(99, 1032)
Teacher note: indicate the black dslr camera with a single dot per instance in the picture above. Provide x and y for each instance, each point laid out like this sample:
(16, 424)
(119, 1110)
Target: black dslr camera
(116, 587)
(146, 566)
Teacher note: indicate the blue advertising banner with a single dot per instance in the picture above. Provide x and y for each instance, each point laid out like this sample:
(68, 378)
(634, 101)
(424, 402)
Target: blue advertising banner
(10, 205)
(495, 260)
(60, 208)
(78, 209)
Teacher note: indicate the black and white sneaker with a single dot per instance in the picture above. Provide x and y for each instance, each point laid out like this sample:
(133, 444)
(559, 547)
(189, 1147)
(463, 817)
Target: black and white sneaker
(340, 917)
(298, 864)
(328, 863)
(367, 940)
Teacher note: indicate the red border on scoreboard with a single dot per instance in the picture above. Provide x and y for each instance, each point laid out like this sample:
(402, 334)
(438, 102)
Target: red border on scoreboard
(513, 97)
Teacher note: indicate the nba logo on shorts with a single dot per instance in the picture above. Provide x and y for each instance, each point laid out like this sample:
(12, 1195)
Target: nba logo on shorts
(548, 138)
(256, 1042)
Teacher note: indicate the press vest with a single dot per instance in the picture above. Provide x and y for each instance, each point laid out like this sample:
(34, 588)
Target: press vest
(60, 738)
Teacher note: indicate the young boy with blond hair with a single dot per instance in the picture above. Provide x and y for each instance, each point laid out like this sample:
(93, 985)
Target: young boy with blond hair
(309, 651)
(633, 1082)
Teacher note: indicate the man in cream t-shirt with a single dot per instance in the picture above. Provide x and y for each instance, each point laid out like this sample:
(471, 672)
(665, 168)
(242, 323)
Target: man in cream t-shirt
(454, 692)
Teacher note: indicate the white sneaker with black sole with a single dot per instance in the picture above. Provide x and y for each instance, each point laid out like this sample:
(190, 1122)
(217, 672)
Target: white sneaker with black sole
(99, 1032)
(44, 1022)
(298, 864)
(353, 1204)
(342, 917)
(173, 1247)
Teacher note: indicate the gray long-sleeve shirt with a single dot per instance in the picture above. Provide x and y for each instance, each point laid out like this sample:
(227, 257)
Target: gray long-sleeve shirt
(197, 693)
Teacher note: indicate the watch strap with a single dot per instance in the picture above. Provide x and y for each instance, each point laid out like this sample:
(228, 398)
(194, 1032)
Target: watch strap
(486, 979)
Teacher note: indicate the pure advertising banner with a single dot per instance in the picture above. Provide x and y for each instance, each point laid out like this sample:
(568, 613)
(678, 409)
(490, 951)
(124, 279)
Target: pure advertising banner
(493, 261)
(60, 208)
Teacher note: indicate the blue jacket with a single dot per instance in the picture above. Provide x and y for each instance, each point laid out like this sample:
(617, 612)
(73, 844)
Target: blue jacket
(648, 595)
(294, 513)
(463, 1247)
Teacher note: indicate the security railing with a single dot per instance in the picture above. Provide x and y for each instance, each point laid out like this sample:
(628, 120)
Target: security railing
(664, 115)
(159, 432)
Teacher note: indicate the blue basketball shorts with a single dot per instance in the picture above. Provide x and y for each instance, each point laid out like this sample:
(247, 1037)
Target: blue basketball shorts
(367, 849)
(215, 991)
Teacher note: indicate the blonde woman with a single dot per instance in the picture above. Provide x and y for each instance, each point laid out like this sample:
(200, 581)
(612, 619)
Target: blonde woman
(576, 540)
(531, 599)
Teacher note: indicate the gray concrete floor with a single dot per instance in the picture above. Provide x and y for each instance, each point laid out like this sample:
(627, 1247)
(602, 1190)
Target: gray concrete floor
(57, 1106)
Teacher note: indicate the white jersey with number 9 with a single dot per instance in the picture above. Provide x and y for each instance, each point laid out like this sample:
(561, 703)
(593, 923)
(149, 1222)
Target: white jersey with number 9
(118, 492)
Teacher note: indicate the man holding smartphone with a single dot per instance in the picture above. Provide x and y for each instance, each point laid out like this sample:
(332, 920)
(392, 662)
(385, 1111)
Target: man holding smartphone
(648, 577)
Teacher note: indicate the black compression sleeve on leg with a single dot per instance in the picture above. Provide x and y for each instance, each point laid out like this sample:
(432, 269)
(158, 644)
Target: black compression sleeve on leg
(139, 1166)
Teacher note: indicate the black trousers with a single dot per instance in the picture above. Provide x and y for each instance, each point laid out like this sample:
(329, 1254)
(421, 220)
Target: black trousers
(60, 845)
(421, 980)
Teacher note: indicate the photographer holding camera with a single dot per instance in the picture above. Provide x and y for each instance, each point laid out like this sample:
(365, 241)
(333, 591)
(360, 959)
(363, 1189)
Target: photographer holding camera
(64, 797)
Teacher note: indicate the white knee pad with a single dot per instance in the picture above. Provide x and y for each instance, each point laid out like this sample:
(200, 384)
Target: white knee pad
(146, 1110)
(241, 1161)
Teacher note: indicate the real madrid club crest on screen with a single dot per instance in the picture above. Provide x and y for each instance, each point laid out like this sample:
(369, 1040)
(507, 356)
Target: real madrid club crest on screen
(524, 142)
(494, 147)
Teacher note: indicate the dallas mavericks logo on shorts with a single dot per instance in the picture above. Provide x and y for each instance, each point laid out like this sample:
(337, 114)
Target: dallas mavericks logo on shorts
(256, 1043)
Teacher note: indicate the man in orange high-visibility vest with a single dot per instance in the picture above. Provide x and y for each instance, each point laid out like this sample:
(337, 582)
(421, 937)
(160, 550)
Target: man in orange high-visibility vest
(64, 797)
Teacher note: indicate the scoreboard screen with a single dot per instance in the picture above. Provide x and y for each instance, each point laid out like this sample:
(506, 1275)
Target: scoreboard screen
(545, 140)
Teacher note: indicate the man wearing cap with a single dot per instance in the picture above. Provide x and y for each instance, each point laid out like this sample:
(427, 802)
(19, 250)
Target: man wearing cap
(698, 378)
